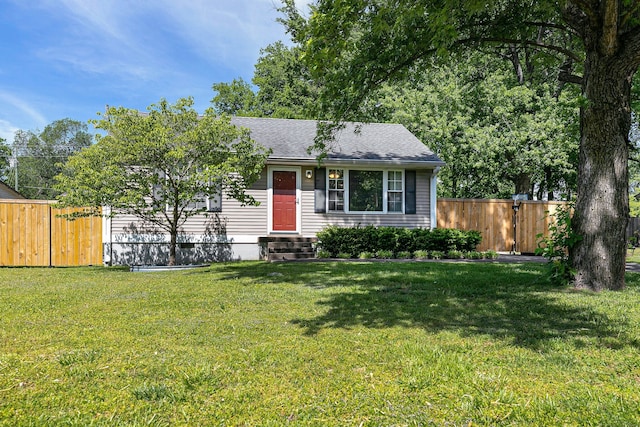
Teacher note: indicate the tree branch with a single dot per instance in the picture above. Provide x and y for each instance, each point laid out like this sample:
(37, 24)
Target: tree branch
(631, 47)
(628, 15)
(567, 77)
(588, 8)
(554, 48)
(609, 40)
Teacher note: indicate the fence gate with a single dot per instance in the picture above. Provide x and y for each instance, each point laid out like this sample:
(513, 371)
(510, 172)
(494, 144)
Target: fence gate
(494, 219)
(33, 235)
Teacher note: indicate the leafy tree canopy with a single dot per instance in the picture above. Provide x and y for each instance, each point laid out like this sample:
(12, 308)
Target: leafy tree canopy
(5, 155)
(40, 155)
(284, 87)
(352, 48)
(158, 165)
(497, 135)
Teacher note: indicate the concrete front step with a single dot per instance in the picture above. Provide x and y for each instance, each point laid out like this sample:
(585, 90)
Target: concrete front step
(279, 256)
(289, 246)
(284, 247)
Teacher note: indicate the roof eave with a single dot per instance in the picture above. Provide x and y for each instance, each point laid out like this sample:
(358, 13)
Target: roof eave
(426, 164)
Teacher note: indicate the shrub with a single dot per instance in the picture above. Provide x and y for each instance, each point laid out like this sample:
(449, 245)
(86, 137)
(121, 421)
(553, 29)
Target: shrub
(405, 240)
(355, 240)
(365, 255)
(343, 255)
(436, 254)
(323, 254)
(421, 238)
(473, 255)
(421, 254)
(454, 254)
(473, 239)
(557, 245)
(384, 254)
(385, 238)
(490, 255)
(403, 255)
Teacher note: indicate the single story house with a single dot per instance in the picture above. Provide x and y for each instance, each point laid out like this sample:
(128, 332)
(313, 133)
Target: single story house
(6, 192)
(378, 174)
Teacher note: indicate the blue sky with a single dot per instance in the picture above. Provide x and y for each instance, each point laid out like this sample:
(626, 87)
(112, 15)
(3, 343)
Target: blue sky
(71, 58)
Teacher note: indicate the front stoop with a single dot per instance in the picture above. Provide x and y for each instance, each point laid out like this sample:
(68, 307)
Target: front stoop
(277, 248)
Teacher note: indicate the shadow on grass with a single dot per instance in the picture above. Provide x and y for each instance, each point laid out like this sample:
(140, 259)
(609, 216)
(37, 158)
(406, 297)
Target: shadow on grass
(511, 302)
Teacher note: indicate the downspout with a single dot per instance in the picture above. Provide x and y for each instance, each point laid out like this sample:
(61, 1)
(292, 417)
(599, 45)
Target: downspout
(433, 221)
(107, 256)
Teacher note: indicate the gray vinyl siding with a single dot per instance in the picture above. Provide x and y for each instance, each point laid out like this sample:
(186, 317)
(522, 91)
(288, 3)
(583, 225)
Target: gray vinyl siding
(313, 222)
(236, 220)
(233, 220)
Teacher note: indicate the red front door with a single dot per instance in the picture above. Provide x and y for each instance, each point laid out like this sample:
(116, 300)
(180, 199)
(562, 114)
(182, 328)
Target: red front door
(284, 201)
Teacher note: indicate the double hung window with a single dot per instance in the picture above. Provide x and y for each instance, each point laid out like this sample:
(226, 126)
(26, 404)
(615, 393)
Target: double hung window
(356, 190)
(200, 201)
(336, 190)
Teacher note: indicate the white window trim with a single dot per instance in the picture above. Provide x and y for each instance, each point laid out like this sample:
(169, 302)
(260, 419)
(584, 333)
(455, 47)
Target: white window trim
(385, 191)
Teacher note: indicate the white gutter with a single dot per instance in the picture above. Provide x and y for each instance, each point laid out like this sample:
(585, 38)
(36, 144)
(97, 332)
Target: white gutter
(434, 198)
(106, 235)
(357, 162)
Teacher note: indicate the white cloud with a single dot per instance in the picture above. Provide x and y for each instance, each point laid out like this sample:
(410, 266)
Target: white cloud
(227, 31)
(21, 105)
(136, 40)
(97, 37)
(7, 131)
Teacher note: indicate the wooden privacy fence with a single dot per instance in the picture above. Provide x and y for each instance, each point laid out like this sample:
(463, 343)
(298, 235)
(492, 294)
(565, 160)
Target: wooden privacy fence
(494, 219)
(32, 234)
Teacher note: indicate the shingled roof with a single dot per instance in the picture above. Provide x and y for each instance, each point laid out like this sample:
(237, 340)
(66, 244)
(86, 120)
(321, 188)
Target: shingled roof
(374, 143)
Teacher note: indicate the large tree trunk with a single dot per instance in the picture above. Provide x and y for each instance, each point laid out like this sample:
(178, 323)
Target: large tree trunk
(602, 205)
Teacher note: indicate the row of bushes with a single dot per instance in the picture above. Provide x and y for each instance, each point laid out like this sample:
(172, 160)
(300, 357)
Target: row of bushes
(354, 241)
(419, 254)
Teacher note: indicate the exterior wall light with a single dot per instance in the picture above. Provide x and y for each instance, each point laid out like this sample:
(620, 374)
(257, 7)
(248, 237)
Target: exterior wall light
(309, 174)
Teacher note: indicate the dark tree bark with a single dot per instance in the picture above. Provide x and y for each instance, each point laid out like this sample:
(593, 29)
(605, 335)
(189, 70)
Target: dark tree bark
(602, 205)
(522, 183)
(612, 55)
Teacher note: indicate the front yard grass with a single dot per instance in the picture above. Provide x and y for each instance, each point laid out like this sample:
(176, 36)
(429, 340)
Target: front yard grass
(344, 344)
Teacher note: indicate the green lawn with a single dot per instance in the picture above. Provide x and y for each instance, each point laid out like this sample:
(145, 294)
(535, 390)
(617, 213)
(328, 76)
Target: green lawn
(344, 344)
(633, 255)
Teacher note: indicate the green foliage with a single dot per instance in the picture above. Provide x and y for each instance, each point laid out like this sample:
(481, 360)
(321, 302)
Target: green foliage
(235, 98)
(5, 155)
(421, 254)
(496, 135)
(356, 240)
(436, 254)
(384, 254)
(490, 255)
(354, 47)
(321, 253)
(474, 255)
(557, 245)
(634, 204)
(454, 254)
(158, 165)
(366, 255)
(404, 255)
(41, 154)
(284, 87)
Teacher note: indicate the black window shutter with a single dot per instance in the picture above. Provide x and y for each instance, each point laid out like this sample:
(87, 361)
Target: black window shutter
(410, 192)
(321, 190)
